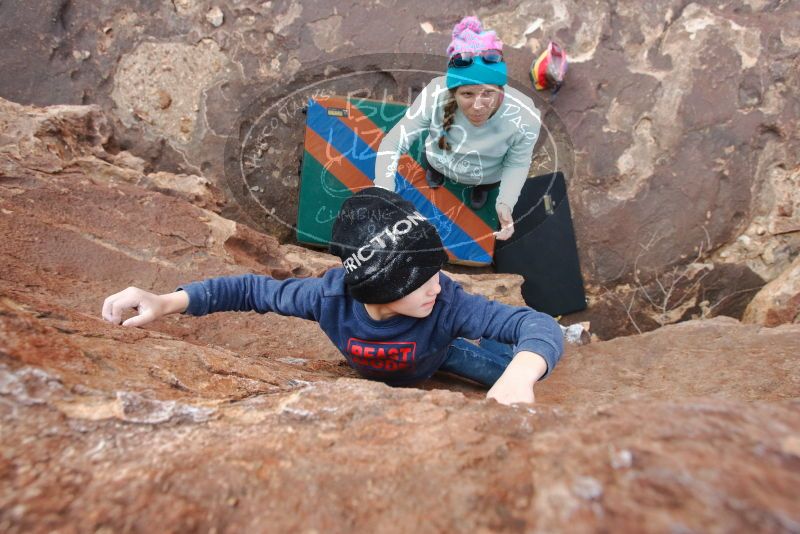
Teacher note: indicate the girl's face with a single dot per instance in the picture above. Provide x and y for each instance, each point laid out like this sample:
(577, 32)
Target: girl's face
(478, 102)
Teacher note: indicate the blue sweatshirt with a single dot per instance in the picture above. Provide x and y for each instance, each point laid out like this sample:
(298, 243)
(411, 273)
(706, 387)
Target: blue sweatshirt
(399, 351)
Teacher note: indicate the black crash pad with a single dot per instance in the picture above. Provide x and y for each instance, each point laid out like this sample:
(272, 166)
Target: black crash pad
(543, 248)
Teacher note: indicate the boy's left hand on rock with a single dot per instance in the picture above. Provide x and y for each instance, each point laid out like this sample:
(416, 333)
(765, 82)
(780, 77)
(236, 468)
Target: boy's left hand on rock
(516, 383)
(511, 391)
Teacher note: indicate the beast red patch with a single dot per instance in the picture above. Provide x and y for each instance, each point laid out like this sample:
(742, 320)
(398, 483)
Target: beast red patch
(387, 356)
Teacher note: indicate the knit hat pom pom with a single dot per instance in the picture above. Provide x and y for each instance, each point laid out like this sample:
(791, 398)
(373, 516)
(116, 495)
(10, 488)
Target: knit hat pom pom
(469, 37)
(467, 23)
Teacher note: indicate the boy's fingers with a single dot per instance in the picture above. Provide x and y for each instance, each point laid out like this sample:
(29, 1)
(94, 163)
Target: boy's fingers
(139, 320)
(105, 313)
(108, 306)
(110, 314)
(122, 303)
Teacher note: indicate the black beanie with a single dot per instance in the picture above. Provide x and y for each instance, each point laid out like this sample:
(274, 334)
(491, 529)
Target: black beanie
(387, 247)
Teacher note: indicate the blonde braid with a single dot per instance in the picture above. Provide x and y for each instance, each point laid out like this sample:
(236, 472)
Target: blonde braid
(450, 108)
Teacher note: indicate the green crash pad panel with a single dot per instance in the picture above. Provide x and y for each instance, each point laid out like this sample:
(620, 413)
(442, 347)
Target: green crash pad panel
(341, 142)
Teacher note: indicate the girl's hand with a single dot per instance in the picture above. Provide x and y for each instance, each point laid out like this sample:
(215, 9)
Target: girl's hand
(506, 222)
(149, 306)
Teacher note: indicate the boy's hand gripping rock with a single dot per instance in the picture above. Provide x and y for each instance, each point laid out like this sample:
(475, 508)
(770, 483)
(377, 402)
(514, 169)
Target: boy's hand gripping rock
(512, 391)
(515, 385)
(148, 306)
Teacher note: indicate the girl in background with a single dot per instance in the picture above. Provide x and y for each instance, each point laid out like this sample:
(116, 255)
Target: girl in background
(481, 132)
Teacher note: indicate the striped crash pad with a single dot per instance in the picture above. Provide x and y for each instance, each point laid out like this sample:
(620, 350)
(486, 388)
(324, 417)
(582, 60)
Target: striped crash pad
(341, 142)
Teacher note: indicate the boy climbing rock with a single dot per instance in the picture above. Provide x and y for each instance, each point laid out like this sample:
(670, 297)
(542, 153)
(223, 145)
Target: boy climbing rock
(390, 311)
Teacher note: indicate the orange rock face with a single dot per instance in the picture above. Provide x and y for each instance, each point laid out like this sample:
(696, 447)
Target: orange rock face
(247, 422)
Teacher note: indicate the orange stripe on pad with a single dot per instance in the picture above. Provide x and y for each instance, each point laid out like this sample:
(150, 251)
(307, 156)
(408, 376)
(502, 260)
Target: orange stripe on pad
(413, 172)
(335, 163)
(449, 204)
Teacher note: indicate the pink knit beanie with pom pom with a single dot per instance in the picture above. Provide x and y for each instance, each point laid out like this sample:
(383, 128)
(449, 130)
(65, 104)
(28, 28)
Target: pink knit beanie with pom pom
(468, 36)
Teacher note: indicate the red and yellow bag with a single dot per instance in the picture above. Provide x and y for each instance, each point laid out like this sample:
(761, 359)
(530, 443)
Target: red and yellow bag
(548, 70)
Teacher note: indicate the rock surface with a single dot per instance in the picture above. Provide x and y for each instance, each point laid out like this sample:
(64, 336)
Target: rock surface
(779, 301)
(695, 291)
(247, 422)
(676, 125)
(137, 430)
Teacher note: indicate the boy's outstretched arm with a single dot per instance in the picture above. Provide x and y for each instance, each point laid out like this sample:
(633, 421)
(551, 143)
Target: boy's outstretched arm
(149, 306)
(247, 292)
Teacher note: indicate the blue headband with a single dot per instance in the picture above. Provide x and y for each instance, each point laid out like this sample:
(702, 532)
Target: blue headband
(477, 73)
